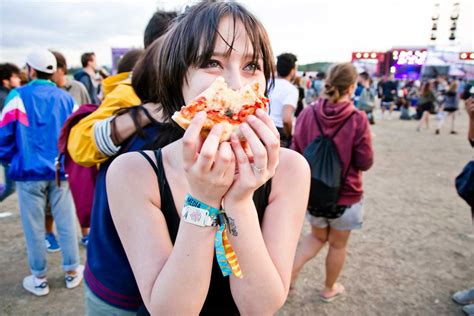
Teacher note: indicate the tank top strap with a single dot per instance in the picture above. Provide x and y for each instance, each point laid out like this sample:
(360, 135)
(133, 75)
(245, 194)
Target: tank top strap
(167, 204)
(152, 164)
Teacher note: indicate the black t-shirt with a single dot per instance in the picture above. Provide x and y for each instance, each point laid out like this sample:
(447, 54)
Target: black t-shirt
(389, 89)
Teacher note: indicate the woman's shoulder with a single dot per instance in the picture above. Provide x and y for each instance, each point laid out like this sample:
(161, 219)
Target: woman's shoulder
(292, 163)
(132, 165)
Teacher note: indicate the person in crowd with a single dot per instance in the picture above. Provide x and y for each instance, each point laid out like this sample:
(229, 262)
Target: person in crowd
(29, 131)
(80, 95)
(450, 106)
(366, 98)
(305, 82)
(318, 85)
(284, 97)
(426, 104)
(9, 79)
(265, 246)
(300, 105)
(75, 88)
(99, 136)
(87, 76)
(336, 115)
(466, 297)
(309, 90)
(388, 92)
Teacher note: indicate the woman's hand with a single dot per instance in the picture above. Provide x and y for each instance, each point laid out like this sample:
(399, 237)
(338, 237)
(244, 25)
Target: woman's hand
(253, 171)
(209, 168)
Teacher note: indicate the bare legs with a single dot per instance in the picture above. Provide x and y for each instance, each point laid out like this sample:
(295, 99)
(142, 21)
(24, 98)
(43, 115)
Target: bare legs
(451, 115)
(309, 247)
(312, 244)
(425, 118)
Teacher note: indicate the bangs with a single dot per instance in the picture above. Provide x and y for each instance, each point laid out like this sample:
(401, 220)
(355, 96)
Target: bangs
(210, 34)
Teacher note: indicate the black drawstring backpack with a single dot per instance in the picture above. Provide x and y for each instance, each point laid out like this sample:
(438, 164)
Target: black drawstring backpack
(326, 173)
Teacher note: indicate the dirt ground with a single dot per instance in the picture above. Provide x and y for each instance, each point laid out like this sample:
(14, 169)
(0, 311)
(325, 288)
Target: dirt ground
(413, 253)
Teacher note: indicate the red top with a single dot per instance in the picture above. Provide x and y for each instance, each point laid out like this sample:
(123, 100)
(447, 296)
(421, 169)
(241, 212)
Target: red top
(353, 142)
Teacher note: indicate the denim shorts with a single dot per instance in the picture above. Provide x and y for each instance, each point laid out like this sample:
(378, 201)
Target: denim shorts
(350, 220)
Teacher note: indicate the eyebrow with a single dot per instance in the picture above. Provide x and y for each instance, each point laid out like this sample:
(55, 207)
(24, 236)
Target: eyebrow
(224, 54)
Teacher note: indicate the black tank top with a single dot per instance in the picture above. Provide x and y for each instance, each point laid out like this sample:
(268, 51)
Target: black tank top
(219, 298)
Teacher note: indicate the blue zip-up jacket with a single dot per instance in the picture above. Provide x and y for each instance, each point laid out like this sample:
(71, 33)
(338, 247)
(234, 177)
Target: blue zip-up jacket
(30, 124)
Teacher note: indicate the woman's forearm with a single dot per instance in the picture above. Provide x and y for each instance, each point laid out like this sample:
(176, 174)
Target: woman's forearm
(261, 290)
(182, 284)
(123, 126)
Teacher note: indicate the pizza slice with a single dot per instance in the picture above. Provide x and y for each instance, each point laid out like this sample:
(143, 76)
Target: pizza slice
(223, 105)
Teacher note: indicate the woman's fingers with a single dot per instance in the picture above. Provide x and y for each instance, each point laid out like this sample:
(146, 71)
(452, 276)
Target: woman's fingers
(209, 148)
(258, 149)
(191, 139)
(269, 139)
(261, 114)
(240, 156)
(224, 158)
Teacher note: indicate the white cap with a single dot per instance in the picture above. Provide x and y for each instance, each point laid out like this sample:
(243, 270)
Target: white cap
(42, 60)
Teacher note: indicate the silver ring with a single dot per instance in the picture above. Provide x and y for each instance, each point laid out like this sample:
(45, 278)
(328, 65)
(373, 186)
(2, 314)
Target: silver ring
(257, 169)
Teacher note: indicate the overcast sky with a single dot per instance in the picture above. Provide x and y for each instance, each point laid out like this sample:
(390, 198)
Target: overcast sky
(315, 30)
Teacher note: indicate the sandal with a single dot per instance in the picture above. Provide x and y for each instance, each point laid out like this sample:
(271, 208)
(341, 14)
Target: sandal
(334, 294)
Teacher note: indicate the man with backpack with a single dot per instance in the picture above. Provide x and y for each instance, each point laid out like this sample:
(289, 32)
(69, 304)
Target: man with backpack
(335, 138)
(87, 76)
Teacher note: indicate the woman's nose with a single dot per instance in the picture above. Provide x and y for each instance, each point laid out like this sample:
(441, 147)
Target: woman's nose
(234, 78)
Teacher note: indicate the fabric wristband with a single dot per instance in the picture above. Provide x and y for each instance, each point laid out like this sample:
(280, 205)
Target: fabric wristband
(225, 255)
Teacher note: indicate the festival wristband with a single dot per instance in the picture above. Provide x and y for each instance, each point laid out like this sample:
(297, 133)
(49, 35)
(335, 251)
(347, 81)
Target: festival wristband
(225, 254)
(199, 213)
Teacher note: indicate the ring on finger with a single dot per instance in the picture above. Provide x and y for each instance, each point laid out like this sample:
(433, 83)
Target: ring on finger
(257, 169)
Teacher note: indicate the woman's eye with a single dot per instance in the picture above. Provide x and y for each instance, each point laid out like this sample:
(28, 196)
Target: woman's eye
(213, 64)
(253, 67)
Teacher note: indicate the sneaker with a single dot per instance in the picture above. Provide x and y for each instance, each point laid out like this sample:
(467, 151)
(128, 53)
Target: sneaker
(74, 280)
(464, 297)
(437, 132)
(85, 240)
(51, 243)
(454, 133)
(36, 286)
(469, 309)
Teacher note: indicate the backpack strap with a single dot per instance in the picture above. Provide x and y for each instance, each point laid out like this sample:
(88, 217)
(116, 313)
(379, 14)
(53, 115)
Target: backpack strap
(317, 121)
(342, 125)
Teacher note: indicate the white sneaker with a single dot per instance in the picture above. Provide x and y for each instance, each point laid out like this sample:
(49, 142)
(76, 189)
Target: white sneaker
(74, 280)
(36, 286)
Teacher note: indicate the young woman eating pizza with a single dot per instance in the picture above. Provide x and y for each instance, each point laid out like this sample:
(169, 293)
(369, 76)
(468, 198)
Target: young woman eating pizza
(211, 226)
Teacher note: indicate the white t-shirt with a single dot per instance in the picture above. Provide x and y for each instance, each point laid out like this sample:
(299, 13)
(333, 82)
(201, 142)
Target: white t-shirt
(283, 93)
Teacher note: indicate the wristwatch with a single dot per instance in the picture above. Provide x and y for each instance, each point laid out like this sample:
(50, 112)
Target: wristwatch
(198, 216)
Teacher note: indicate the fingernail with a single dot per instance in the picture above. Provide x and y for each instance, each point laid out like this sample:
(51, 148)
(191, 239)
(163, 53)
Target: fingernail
(244, 126)
(201, 114)
(251, 118)
(260, 112)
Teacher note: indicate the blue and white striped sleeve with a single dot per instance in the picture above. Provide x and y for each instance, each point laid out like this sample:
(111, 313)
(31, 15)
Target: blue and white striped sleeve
(103, 138)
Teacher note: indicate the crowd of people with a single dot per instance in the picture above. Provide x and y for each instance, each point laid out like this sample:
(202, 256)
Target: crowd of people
(412, 99)
(103, 149)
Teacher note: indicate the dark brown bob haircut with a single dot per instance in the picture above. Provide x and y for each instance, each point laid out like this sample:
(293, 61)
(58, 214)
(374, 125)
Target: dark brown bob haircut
(160, 74)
